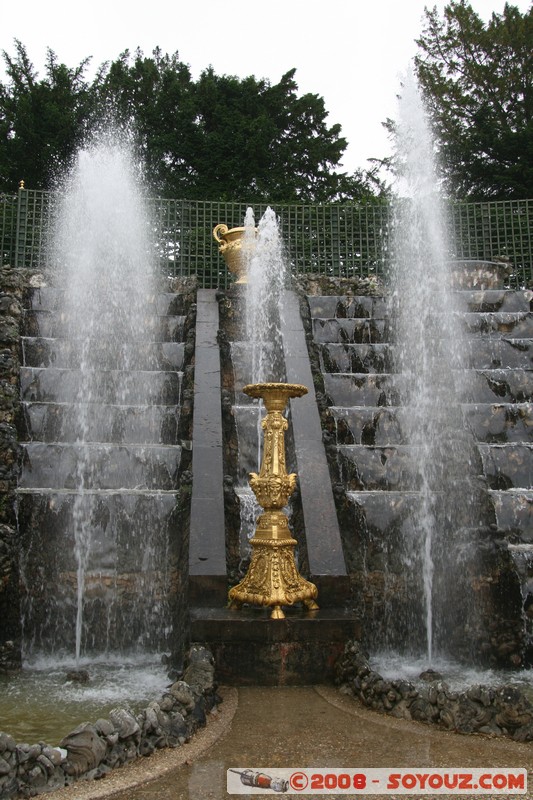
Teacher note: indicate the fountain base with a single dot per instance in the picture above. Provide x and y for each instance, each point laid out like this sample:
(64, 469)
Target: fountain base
(272, 579)
(252, 650)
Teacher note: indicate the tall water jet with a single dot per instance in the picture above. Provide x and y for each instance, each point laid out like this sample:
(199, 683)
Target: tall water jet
(258, 354)
(267, 275)
(116, 497)
(429, 356)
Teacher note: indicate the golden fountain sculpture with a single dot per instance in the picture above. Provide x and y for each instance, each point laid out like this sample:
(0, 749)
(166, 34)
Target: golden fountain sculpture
(272, 578)
(235, 247)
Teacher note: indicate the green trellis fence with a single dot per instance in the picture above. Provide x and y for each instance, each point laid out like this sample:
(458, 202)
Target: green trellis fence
(343, 240)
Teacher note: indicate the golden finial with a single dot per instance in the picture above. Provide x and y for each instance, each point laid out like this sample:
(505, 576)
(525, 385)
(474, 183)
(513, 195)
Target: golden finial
(273, 579)
(21, 185)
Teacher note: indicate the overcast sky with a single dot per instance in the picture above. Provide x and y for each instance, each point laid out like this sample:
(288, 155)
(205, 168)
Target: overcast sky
(351, 52)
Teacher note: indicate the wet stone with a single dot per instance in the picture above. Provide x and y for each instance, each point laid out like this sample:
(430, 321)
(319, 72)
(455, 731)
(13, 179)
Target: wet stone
(183, 693)
(85, 749)
(124, 722)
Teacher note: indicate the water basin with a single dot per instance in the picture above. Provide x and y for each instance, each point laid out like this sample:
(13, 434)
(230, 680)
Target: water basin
(40, 704)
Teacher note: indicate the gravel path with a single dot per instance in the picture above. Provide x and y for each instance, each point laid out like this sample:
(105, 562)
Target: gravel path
(269, 727)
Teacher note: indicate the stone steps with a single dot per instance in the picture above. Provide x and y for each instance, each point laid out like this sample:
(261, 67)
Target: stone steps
(122, 494)
(52, 422)
(366, 424)
(111, 387)
(379, 425)
(103, 466)
(108, 354)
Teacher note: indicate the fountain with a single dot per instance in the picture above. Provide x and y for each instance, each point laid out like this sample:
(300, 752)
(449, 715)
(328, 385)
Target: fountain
(429, 358)
(100, 391)
(256, 257)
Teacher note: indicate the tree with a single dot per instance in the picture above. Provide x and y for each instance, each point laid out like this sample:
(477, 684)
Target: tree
(41, 121)
(155, 96)
(478, 83)
(227, 138)
(217, 138)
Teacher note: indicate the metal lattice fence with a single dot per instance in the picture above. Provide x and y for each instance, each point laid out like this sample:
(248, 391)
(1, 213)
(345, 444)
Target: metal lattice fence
(343, 240)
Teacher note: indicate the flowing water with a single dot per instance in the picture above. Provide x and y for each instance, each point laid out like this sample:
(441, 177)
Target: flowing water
(267, 275)
(109, 502)
(260, 357)
(429, 359)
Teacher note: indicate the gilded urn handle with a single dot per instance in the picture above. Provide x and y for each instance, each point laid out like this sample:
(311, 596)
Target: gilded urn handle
(221, 229)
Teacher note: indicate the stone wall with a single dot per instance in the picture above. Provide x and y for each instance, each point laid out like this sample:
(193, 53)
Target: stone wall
(179, 551)
(13, 284)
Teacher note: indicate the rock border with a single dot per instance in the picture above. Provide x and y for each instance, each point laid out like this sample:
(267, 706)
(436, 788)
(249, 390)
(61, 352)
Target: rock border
(494, 711)
(93, 750)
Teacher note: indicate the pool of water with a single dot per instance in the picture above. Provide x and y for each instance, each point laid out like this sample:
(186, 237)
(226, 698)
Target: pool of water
(41, 704)
(459, 677)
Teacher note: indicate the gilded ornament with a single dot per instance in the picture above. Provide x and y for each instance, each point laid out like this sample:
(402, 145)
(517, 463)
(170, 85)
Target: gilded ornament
(236, 246)
(273, 579)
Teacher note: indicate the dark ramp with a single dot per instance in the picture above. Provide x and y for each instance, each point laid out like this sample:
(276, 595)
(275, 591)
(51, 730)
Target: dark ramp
(324, 545)
(207, 553)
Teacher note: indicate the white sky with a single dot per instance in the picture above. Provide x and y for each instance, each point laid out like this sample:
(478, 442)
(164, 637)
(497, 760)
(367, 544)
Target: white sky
(351, 52)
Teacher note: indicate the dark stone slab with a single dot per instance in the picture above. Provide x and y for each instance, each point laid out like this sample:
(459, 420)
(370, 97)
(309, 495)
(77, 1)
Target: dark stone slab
(508, 466)
(505, 385)
(386, 389)
(514, 513)
(494, 300)
(518, 324)
(110, 387)
(324, 546)
(488, 352)
(360, 331)
(207, 553)
(109, 354)
(357, 389)
(342, 307)
(252, 649)
(366, 468)
(363, 358)
(370, 425)
(50, 324)
(208, 591)
(500, 422)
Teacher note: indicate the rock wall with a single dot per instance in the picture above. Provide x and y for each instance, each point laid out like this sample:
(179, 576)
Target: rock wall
(495, 711)
(13, 284)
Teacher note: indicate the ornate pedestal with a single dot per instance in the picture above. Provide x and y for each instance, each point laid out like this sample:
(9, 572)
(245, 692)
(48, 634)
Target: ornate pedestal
(272, 578)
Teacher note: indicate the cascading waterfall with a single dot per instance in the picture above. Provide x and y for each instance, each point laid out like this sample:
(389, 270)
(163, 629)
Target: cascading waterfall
(429, 351)
(116, 502)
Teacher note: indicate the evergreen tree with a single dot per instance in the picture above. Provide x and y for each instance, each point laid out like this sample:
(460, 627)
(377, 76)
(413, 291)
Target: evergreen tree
(41, 121)
(478, 81)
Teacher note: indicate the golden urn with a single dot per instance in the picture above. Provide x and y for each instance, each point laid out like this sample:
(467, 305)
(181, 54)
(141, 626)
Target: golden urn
(272, 578)
(236, 245)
